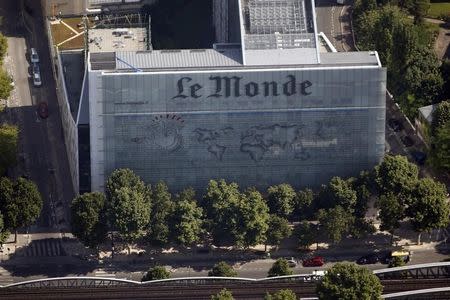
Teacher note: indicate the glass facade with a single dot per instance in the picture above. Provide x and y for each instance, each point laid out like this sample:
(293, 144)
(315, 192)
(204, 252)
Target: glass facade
(257, 128)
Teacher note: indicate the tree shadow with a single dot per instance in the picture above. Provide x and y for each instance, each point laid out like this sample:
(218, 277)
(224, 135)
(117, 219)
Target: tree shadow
(45, 257)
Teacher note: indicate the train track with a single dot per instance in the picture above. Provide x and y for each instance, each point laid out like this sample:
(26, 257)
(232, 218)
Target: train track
(248, 291)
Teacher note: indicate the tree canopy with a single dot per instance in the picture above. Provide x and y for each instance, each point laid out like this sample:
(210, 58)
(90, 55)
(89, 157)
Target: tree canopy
(162, 208)
(24, 206)
(305, 234)
(429, 208)
(280, 199)
(336, 222)
(89, 218)
(280, 268)
(304, 205)
(349, 281)
(396, 175)
(338, 192)
(440, 155)
(285, 294)
(222, 269)
(186, 220)
(391, 212)
(5, 84)
(224, 294)
(8, 146)
(278, 230)
(155, 273)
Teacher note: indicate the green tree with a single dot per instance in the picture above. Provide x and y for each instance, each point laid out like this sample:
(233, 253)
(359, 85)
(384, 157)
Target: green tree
(445, 74)
(128, 204)
(187, 219)
(252, 215)
(304, 205)
(8, 146)
(281, 199)
(338, 192)
(285, 294)
(88, 219)
(349, 281)
(396, 261)
(224, 294)
(280, 268)
(235, 218)
(336, 222)
(162, 209)
(3, 47)
(5, 84)
(396, 175)
(218, 202)
(305, 234)
(131, 212)
(222, 269)
(391, 212)
(441, 115)
(4, 233)
(429, 208)
(440, 154)
(279, 229)
(156, 273)
(419, 9)
(24, 206)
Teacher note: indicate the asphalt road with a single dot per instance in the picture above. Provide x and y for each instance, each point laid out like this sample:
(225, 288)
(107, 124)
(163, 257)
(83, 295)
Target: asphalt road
(42, 154)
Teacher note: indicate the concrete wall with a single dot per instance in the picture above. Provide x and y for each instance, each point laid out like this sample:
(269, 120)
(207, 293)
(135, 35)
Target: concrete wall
(266, 127)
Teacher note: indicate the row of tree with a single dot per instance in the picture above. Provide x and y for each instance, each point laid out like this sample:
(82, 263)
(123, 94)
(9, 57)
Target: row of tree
(342, 281)
(5, 80)
(404, 47)
(440, 136)
(226, 216)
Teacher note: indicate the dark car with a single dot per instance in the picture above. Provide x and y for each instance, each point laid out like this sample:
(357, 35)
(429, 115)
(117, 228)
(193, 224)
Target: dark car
(419, 157)
(42, 110)
(368, 259)
(316, 261)
(407, 141)
(396, 125)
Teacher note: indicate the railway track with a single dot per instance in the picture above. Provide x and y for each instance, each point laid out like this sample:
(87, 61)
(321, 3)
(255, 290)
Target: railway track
(248, 291)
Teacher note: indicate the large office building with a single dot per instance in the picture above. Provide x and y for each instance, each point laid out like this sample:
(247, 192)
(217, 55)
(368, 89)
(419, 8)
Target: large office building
(264, 106)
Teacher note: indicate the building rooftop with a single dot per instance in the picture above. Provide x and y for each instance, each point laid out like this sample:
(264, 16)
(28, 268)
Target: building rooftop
(279, 31)
(117, 39)
(157, 60)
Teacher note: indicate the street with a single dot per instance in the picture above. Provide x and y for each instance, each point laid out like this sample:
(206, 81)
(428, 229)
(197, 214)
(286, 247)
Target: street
(42, 156)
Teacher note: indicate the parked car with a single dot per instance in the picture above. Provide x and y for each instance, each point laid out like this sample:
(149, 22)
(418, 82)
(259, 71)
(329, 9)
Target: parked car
(34, 57)
(316, 261)
(368, 259)
(407, 141)
(37, 81)
(292, 263)
(419, 156)
(395, 124)
(42, 110)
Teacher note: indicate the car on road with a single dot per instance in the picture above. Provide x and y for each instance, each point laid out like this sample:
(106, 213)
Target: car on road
(37, 81)
(368, 259)
(316, 261)
(407, 141)
(292, 263)
(42, 110)
(395, 124)
(34, 57)
(419, 156)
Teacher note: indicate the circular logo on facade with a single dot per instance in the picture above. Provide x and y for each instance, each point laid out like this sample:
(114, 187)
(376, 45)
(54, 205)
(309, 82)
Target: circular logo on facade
(165, 132)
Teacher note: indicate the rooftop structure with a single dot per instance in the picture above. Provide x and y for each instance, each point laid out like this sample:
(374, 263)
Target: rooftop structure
(117, 39)
(278, 32)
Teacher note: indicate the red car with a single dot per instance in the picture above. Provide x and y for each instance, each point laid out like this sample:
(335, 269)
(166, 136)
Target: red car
(42, 110)
(316, 261)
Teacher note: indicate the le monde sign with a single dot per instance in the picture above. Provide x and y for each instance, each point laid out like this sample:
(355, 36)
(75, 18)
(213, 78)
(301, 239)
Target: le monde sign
(234, 86)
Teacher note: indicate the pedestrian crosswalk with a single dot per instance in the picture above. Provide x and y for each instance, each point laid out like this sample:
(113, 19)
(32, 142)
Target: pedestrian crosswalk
(45, 247)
